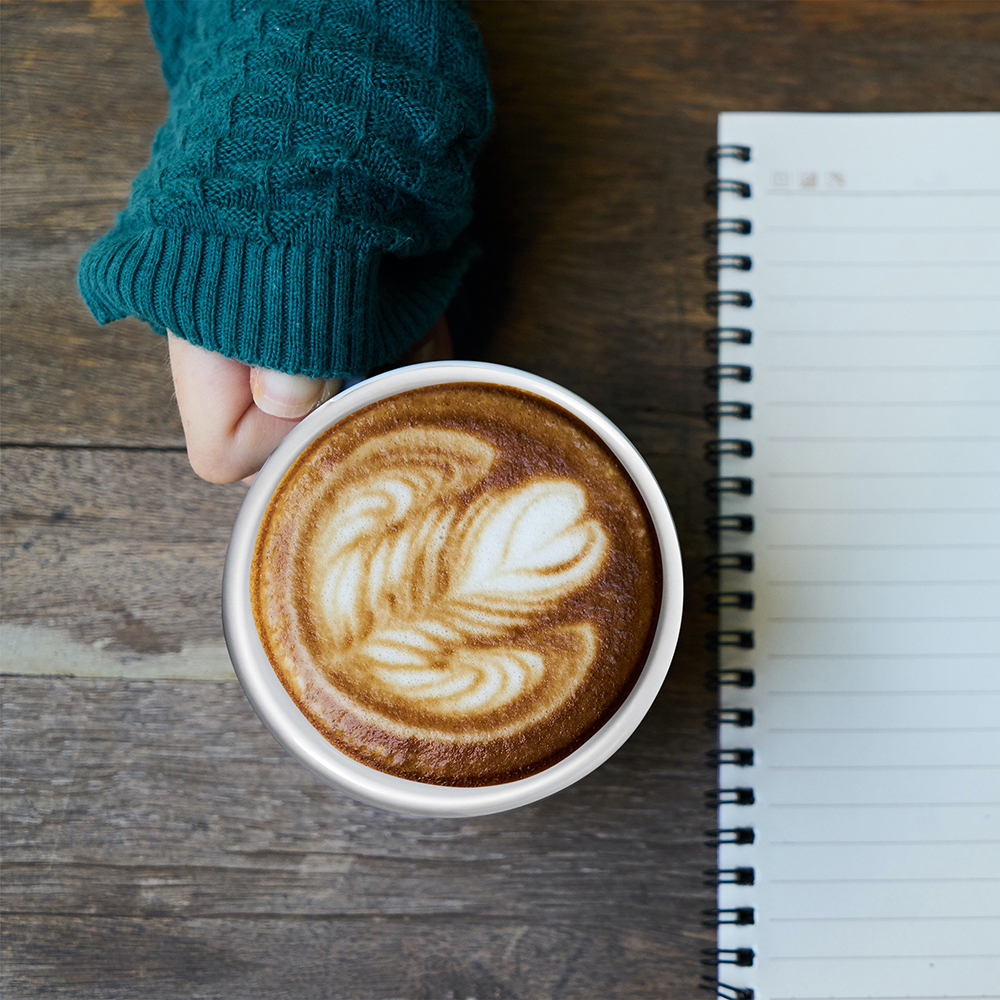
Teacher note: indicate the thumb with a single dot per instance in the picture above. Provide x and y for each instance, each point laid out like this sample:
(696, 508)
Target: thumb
(289, 396)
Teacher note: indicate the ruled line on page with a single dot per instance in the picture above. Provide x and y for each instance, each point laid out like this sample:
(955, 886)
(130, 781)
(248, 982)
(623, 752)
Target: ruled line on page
(919, 474)
(771, 228)
(883, 767)
(923, 403)
(872, 843)
(909, 996)
(953, 332)
(885, 693)
(881, 475)
(885, 193)
(885, 545)
(881, 263)
(858, 618)
(884, 510)
(882, 656)
(896, 439)
(909, 297)
(881, 583)
(888, 729)
(871, 958)
(880, 368)
(922, 919)
(881, 881)
(949, 916)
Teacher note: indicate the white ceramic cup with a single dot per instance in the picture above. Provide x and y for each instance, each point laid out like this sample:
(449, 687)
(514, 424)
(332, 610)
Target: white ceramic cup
(292, 728)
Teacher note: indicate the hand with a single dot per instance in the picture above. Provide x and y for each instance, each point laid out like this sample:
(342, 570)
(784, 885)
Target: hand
(234, 416)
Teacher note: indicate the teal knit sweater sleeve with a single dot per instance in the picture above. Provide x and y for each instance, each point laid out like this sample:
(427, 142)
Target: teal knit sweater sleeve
(306, 202)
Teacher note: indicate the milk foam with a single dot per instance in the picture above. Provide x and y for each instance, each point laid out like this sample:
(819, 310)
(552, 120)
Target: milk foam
(424, 597)
(457, 584)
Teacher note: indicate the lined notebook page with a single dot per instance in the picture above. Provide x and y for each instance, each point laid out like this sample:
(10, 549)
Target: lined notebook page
(875, 394)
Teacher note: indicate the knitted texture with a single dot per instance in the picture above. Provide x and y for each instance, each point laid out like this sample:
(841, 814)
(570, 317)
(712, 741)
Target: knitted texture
(305, 203)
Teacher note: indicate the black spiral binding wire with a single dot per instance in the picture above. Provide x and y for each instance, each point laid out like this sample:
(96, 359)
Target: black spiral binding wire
(718, 447)
(727, 528)
(729, 876)
(713, 189)
(742, 523)
(716, 374)
(728, 484)
(741, 411)
(742, 599)
(720, 262)
(741, 717)
(716, 153)
(743, 916)
(714, 679)
(727, 956)
(730, 560)
(738, 756)
(716, 226)
(726, 335)
(721, 989)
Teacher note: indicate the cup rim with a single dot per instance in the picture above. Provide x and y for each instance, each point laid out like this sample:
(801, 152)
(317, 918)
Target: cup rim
(292, 728)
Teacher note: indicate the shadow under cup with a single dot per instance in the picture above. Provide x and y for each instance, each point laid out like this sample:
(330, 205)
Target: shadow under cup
(293, 729)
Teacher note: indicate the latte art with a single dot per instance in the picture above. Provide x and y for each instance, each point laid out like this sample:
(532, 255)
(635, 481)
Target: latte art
(411, 589)
(435, 595)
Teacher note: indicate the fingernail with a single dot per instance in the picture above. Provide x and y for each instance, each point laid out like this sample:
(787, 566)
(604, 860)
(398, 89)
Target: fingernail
(289, 396)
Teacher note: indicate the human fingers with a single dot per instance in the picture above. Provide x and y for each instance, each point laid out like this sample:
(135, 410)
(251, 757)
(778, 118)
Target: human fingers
(228, 435)
(290, 397)
(234, 415)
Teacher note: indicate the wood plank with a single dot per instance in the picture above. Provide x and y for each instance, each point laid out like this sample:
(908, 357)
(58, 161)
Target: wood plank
(163, 959)
(82, 97)
(113, 564)
(151, 774)
(113, 559)
(164, 812)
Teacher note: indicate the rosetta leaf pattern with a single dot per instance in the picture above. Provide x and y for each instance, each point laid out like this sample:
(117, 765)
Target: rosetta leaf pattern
(431, 595)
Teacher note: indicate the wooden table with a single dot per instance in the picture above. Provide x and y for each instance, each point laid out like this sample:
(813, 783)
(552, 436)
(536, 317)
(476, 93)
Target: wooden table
(158, 843)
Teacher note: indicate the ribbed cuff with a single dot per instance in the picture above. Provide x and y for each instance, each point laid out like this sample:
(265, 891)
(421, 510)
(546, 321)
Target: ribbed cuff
(319, 311)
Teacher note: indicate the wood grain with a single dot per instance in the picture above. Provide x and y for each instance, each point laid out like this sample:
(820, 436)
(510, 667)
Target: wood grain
(342, 959)
(147, 821)
(112, 552)
(81, 99)
(158, 843)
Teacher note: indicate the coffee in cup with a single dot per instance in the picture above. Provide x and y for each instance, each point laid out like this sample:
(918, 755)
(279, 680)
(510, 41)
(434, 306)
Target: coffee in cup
(457, 584)
(455, 588)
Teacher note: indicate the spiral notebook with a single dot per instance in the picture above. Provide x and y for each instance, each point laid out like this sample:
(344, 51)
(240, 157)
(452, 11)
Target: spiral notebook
(858, 452)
